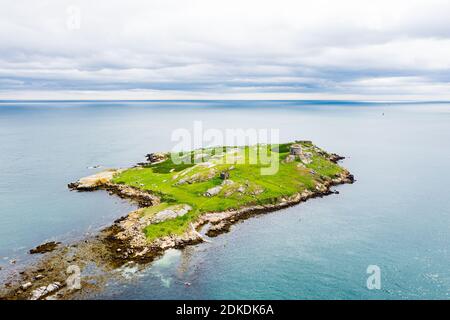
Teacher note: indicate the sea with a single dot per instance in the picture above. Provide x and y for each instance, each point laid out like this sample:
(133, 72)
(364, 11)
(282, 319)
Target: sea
(391, 226)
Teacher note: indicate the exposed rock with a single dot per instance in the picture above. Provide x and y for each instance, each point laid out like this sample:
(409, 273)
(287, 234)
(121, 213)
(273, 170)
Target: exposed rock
(218, 228)
(321, 188)
(306, 157)
(289, 158)
(335, 157)
(224, 175)
(144, 198)
(156, 157)
(257, 190)
(295, 149)
(178, 241)
(213, 191)
(241, 189)
(198, 177)
(216, 190)
(94, 181)
(43, 291)
(227, 182)
(25, 286)
(171, 213)
(45, 247)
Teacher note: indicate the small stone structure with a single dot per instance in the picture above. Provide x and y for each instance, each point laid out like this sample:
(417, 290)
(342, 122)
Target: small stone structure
(296, 150)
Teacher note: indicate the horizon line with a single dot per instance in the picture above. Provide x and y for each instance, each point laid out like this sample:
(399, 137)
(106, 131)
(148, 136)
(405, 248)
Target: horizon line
(208, 100)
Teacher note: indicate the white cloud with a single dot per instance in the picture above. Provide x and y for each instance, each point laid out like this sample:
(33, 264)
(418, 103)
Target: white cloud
(225, 49)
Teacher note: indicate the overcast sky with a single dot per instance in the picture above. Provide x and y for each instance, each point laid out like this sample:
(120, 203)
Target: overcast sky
(208, 49)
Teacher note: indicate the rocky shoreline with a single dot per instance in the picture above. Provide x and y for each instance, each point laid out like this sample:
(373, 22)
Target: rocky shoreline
(124, 241)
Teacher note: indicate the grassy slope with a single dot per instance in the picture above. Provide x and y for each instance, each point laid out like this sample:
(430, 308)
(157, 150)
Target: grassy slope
(164, 179)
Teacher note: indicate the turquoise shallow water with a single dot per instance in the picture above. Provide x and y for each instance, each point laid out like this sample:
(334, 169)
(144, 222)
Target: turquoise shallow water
(396, 216)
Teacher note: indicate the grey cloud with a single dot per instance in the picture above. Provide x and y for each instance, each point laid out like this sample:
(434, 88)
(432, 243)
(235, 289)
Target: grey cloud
(227, 47)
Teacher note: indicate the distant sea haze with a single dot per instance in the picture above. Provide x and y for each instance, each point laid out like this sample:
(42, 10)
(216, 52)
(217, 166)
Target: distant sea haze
(395, 216)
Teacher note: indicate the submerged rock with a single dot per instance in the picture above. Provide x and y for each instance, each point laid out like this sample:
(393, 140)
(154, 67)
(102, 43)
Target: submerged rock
(45, 247)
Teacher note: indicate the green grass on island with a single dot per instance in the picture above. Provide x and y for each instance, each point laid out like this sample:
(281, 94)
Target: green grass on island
(201, 186)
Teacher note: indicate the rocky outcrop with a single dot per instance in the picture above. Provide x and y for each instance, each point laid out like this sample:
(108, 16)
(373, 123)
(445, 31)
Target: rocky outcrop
(156, 157)
(44, 291)
(289, 158)
(171, 213)
(335, 157)
(26, 286)
(142, 197)
(94, 181)
(201, 176)
(306, 157)
(103, 180)
(131, 228)
(213, 191)
(45, 247)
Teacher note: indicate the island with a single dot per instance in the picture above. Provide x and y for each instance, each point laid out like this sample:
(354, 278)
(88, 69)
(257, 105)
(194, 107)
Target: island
(185, 200)
(214, 189)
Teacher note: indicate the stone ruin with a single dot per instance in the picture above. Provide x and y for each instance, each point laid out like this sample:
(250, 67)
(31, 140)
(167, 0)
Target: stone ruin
(296, 151)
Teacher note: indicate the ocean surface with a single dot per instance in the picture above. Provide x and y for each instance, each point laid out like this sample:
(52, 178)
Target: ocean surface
(396, 216)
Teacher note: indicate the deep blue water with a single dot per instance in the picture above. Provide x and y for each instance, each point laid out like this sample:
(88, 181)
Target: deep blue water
(396, 216)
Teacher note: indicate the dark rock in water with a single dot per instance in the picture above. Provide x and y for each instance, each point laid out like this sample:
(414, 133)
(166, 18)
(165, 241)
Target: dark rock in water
(73, 185)
(335, 157)
(224, 175)
(351, 178)
(45, 247)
